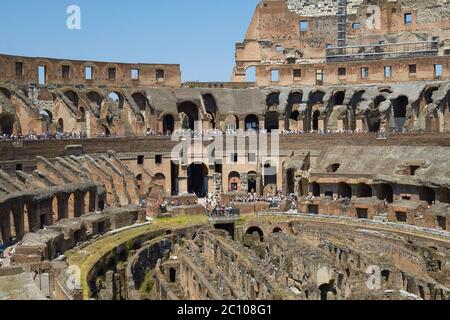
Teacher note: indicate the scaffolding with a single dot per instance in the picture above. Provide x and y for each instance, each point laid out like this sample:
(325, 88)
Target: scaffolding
(382, 51)
(342, 23)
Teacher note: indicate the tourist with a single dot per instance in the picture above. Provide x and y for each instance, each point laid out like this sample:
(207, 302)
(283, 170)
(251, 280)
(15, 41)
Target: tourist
(2, 249)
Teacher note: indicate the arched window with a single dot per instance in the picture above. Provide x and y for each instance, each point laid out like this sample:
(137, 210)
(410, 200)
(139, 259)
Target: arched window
(6, 124)
(73, 97)
(250, 74)
(251, 123)
(168, 124)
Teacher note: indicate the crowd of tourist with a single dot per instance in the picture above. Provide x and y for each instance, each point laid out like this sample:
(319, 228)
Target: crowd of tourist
(195, 134)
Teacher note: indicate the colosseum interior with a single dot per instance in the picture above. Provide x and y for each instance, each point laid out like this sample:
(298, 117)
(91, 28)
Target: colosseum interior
(114, 184)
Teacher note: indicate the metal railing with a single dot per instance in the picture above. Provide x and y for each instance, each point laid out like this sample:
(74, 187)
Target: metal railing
(382, 51)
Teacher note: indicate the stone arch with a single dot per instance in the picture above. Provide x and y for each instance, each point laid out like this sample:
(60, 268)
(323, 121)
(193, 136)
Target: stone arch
(385, 192)
(399, 112)
(73, 97)
(251, 122)
(160, 180)
(277, 230)
(252, 181)
(378, 100)
(292, 113)
(116, 97)
(6, 124)
(344, 190)
(104, 130)
(427, 95)
(231, 122)
(250, 74)
(95, 97)
(256, 231)
(191, 111)
(234, 181)
(198, 179)
(338, 98)
(141, 101)
(47, 116)
(139, 179)
(60, 125)
(363, 190)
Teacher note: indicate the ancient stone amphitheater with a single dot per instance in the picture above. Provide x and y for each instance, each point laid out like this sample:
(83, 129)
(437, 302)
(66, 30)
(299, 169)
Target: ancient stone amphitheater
(353, 202)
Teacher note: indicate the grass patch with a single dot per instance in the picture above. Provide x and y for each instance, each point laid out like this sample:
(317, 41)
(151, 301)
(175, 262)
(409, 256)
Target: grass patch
(87, 257)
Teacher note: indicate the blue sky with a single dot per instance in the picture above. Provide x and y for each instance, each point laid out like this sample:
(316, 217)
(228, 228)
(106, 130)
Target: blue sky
(198, 34)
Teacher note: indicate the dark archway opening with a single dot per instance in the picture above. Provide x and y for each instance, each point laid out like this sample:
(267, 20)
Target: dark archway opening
(198, 179)
(251, 123)
(325, 290)
(344, 190)
(363, 191)
(168, 124)
(315, 120)
(173, 275)
(140, 100)
(290, 181)
(211, 108)
(428, 195)
(257, 232)
(6, 124)
(315, 189)
(73, 97)
(385, 192)
(189, 109)
(271, 121)
(273, 99)
(338, 98)
(252, 176)
(95, 98)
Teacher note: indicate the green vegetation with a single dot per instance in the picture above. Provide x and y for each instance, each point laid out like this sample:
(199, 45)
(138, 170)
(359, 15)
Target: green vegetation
(87, 257)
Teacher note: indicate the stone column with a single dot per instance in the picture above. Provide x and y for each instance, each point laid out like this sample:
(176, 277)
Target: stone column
(18, 215)
(5, 227)
(63, 206)
(359, 124)
(78, 204)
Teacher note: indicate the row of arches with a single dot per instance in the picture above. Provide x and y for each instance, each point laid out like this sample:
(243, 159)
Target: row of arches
(383, 191)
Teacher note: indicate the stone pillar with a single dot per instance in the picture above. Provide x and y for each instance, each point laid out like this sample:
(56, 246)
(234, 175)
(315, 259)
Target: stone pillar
(321, 124)
(33, 213)
(244, 182)
(93, 201)
(211, 185)
(259, 184)
(359, 124)
(281, 123)
(340, 124)
(63, 206)
(18, 215)
(5, 227)
(183, 184)
(78, 204)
